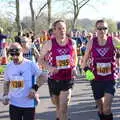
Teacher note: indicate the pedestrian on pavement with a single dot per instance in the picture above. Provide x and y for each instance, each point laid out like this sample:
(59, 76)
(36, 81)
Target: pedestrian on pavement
(2, 37)
(19, 85)
(61, 63)
(102, 50)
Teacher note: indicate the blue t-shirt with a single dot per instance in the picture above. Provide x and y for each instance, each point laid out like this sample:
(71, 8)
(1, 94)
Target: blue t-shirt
(83, 49)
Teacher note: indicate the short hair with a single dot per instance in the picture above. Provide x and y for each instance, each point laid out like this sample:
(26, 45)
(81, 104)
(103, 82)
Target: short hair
(19, 33)
(57, 21)
(15, 45)
(50, 31)
(100, 21)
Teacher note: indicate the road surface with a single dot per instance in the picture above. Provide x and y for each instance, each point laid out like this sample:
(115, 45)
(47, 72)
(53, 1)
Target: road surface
(82, 106)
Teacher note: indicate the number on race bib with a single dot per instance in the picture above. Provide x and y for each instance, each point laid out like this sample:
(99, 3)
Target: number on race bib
(17, 84)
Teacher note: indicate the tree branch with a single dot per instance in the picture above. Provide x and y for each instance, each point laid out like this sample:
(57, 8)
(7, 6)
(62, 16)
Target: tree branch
(84, 4)
(41, 10)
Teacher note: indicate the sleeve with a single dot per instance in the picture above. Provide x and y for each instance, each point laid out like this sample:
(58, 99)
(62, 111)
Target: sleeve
(35, 69)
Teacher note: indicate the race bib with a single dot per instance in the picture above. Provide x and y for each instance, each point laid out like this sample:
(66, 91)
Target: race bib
(16, 85)
(104, 69)
(63, 61)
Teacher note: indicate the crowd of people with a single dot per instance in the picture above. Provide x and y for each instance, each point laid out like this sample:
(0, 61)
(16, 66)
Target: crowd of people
(56, 57)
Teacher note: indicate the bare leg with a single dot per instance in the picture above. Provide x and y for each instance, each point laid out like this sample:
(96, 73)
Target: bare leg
(107, 103)
(55, 101)
(64, 101)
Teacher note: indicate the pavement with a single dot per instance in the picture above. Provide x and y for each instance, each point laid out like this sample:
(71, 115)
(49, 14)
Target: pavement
(82, 105)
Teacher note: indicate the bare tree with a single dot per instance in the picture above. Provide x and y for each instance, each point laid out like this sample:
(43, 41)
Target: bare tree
(77, 5)
(33, 16)
(13, 12)
(73, 6)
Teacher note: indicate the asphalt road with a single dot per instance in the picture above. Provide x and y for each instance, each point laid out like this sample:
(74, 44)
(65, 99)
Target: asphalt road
(82, 106)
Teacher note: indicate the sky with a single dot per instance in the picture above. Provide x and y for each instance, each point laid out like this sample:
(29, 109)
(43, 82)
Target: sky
(95, 9)
(109, 9)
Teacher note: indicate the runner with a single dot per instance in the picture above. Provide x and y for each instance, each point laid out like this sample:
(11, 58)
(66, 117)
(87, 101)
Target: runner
(19, 85)
(28, 51)
(102, 51)
(62, 61)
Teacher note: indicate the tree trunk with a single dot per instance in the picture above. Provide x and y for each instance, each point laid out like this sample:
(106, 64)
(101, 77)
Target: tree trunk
(75, 19)
(77, 5)
(49, 12)
(73, 24)
(17, 19)
(32, 15)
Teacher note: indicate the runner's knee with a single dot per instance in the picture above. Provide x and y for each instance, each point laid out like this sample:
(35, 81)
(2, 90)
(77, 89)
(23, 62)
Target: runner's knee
(54, 101)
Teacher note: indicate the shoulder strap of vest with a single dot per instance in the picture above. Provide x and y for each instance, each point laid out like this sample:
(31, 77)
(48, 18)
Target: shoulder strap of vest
(110, 40)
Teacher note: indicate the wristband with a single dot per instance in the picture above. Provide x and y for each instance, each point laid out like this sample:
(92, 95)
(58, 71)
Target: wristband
(86, 68)
(35, 87)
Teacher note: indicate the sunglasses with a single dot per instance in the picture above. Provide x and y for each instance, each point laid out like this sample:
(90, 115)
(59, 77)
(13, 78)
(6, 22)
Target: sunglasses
(14, 49)
(15, 54)
(102, 28)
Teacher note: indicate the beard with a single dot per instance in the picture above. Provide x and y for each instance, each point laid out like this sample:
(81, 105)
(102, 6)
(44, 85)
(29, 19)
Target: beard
(16, 61)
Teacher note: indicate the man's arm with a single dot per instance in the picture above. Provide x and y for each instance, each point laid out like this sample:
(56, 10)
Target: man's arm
(5, 92)
(116, 42)
(87, 54)
(6, 83)
(44, 51)
(88, 73)
(6, 88)
(75, 58)
(41, 79)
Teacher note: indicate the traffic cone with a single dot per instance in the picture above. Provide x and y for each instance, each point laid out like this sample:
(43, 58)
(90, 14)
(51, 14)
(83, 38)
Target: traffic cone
(4, 60)
(3, 57)
(4, 53)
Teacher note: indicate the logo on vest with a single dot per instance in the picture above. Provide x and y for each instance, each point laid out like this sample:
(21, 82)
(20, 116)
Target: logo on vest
(102, 51)
(63, 51)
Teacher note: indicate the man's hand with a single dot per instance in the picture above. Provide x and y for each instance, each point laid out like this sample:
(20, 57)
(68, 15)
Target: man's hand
(5, 100)
(32, 94)
(74, 72)
(37, 98)
(52, 70)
